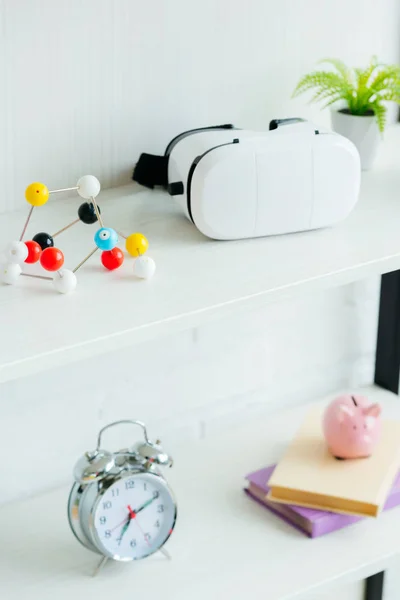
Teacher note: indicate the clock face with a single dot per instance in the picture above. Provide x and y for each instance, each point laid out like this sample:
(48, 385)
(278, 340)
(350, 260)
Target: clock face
(134, 517)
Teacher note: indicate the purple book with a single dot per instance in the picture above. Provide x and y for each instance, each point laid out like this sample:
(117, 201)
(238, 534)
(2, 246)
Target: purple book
(310, 521)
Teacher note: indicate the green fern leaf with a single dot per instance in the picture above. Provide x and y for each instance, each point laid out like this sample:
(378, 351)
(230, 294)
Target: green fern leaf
(380, 114)
(363, 91)
(339, 65)
(324, 94)
(386, 76)
(322, 81)
(332, 100)
(389, 95)
(364, 75)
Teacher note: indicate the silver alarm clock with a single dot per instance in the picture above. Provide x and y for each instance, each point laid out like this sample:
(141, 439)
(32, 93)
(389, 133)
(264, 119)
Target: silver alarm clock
(120, 506)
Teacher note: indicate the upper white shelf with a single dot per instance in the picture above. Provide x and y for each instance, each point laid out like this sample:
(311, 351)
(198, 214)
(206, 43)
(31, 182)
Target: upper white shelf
(196, 278)
(224, 545)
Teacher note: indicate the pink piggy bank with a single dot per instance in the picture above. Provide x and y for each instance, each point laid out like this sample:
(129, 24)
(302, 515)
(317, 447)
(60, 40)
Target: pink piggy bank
(352, 427)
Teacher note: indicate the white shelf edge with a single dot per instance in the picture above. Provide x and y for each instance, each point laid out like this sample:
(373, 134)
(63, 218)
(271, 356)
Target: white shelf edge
(65, 356)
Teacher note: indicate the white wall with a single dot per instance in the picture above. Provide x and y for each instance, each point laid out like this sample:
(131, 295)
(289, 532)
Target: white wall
(188, 384)
(85, 86)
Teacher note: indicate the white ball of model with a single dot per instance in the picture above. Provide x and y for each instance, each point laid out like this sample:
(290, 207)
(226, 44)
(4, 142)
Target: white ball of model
(16, 252)
(9, 273)
(88, 187)
(144, 267)
(64, 281)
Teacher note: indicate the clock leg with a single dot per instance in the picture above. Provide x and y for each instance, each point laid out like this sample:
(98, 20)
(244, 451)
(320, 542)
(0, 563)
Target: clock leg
(100, 566)
(165, 553)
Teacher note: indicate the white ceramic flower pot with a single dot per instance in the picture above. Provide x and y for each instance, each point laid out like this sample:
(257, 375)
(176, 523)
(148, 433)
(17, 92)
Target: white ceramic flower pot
(362, 131)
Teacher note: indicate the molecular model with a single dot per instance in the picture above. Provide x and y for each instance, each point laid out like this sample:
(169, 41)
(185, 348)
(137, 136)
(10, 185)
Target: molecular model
(41, 246)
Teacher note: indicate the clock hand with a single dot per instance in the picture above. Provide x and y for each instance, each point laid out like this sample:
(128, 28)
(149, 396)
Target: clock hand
(124, 530)
(144, 535)
(145, 505)
(126, 520)
(119, 524)
(132, 515)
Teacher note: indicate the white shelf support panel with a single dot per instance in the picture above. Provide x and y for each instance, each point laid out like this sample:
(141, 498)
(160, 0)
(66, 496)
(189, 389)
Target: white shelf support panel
(224, 545)
(196, 279)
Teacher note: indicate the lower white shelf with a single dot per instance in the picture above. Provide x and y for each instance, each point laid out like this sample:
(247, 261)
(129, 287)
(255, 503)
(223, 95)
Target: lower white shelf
(224, 545)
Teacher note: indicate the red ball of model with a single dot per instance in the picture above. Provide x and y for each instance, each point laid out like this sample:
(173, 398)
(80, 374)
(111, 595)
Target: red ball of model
(34, 251)
(52, 259)
(112, 259)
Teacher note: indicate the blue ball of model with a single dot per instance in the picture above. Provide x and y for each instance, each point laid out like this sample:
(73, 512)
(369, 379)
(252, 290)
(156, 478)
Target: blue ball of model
(106, 238)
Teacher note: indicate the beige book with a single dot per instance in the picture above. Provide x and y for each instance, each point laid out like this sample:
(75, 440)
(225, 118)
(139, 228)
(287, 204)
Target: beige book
(308, 475)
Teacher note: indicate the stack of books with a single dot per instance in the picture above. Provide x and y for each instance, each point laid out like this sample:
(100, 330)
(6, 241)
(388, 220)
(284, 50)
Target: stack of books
(316, 493)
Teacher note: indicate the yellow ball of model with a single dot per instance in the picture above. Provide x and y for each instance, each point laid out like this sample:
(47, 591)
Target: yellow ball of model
(37, 194)
(136, 244)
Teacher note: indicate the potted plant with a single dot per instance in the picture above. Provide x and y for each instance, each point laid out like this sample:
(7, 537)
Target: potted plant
(362, 94)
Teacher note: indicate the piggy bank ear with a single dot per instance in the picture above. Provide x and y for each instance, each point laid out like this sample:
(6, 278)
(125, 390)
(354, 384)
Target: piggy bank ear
(372, 411)
(344, 412)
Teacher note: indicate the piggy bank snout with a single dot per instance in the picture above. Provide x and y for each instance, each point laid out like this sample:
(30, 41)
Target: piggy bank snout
(361, 425)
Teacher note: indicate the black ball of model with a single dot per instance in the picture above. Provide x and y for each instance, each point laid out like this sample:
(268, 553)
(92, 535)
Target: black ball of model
(87, 214)
(44, 240)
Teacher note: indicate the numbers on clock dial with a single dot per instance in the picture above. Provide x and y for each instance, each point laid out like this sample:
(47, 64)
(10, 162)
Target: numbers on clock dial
(134, 517)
